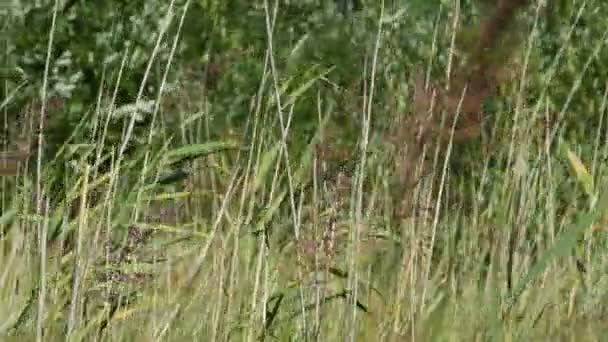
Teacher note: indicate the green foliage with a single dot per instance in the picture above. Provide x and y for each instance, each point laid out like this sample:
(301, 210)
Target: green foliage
(213, 225)
(574, 71)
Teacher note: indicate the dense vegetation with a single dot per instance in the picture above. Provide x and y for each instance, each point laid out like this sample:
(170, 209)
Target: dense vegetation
(303, 170)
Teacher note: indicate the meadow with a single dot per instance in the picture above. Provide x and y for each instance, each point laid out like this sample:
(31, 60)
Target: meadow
(279, 170)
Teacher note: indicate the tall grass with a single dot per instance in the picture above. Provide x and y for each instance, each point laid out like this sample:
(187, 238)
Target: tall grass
(266, 240)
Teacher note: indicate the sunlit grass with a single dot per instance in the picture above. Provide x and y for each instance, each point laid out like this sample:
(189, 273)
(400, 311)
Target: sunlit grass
(258, 236)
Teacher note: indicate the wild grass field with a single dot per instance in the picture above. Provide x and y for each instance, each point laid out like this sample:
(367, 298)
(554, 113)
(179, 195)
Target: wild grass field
(274, 170)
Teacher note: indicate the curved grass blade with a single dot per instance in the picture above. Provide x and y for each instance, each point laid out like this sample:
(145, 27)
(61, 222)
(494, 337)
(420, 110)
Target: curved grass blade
(564, 245)
(193, 151)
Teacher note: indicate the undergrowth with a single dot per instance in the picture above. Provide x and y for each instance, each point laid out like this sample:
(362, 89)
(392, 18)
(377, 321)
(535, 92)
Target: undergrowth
(212, 207)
